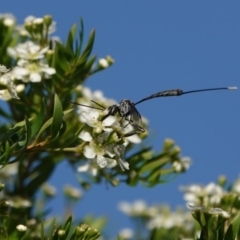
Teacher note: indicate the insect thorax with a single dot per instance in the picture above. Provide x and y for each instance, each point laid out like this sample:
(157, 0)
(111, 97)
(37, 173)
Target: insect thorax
(125, 107)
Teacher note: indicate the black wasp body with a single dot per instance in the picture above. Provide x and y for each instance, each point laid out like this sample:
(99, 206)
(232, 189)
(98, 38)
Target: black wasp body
(127, 109)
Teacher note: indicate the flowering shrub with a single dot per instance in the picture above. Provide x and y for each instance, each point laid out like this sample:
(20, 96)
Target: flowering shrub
(40, 77)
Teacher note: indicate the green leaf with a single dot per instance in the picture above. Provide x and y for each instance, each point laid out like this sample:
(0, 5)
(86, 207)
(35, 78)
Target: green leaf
(151, 165)
(24, 143)
(88, 49)
(52, 228)
(67, 226)
(89, 64)
(62, 59)
(10, 132)
(7, 152)
(47, 124)
(81, 34)
(154, 177)
(37, 123)
(28, 132)
(212, 227)
(42, 230)
(71, 36)
(233, 229)
(57, 116)
(4, 234)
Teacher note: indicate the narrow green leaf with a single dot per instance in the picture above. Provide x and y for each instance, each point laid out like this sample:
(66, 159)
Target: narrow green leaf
(27, 235)
(57, 116)
(233, 229)
(212, 227)
(22, 123)
(28, 132)
(47, 124)
(67, 226)
(81, 35)
(37, 123)
(42, 231)
(5, 157)
(89, 64)
(88, 49)
(62, 58)
(52, 228)
(71, 36)
(154, 177)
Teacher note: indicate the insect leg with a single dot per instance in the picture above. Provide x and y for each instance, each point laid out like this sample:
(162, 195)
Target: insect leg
(137, 130)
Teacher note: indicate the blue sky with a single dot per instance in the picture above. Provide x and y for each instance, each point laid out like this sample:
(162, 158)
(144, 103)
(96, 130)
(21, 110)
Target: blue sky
(160, 45)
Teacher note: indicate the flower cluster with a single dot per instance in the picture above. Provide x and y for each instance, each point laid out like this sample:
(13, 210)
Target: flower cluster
(157, 216)
(198, 195)
(31, 65)
(98, 97)
(212, 211)
(7, 82)
(103, 144)
(100, 150)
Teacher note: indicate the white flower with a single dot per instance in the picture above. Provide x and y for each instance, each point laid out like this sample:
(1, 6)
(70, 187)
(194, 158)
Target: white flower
(200, 195)
(72, 192)
(38, 21)
(8, 171)
(8, 19)
(18, 202)
(182, 165)
(6, 80)
(49, 190)
(219, 211)
(126, 233)
(88, 167)
(3, 69)
(21, 228)
(61, 232)
(236, 186)
(85, 136)
(103, 63)
(92, 151)
(27, 50)
(213, 211)
(134, 138)
(97, 150)
(32, 71)
(137, 208)
(91, 118)
(165, 218)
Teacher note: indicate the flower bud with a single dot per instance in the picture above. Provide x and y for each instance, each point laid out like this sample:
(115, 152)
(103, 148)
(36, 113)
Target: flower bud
(47, 19)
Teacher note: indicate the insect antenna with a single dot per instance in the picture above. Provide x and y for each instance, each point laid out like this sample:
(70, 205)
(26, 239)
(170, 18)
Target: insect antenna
(87, 106)
(179, 92)
(103, 108)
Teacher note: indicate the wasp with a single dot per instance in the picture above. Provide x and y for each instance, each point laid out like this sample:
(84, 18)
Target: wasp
(127, 109)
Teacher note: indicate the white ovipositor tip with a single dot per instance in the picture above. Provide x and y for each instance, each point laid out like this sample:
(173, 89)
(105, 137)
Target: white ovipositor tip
(232, 88)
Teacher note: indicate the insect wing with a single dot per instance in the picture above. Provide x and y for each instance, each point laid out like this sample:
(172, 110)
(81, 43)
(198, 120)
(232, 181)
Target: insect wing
(134, 116)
